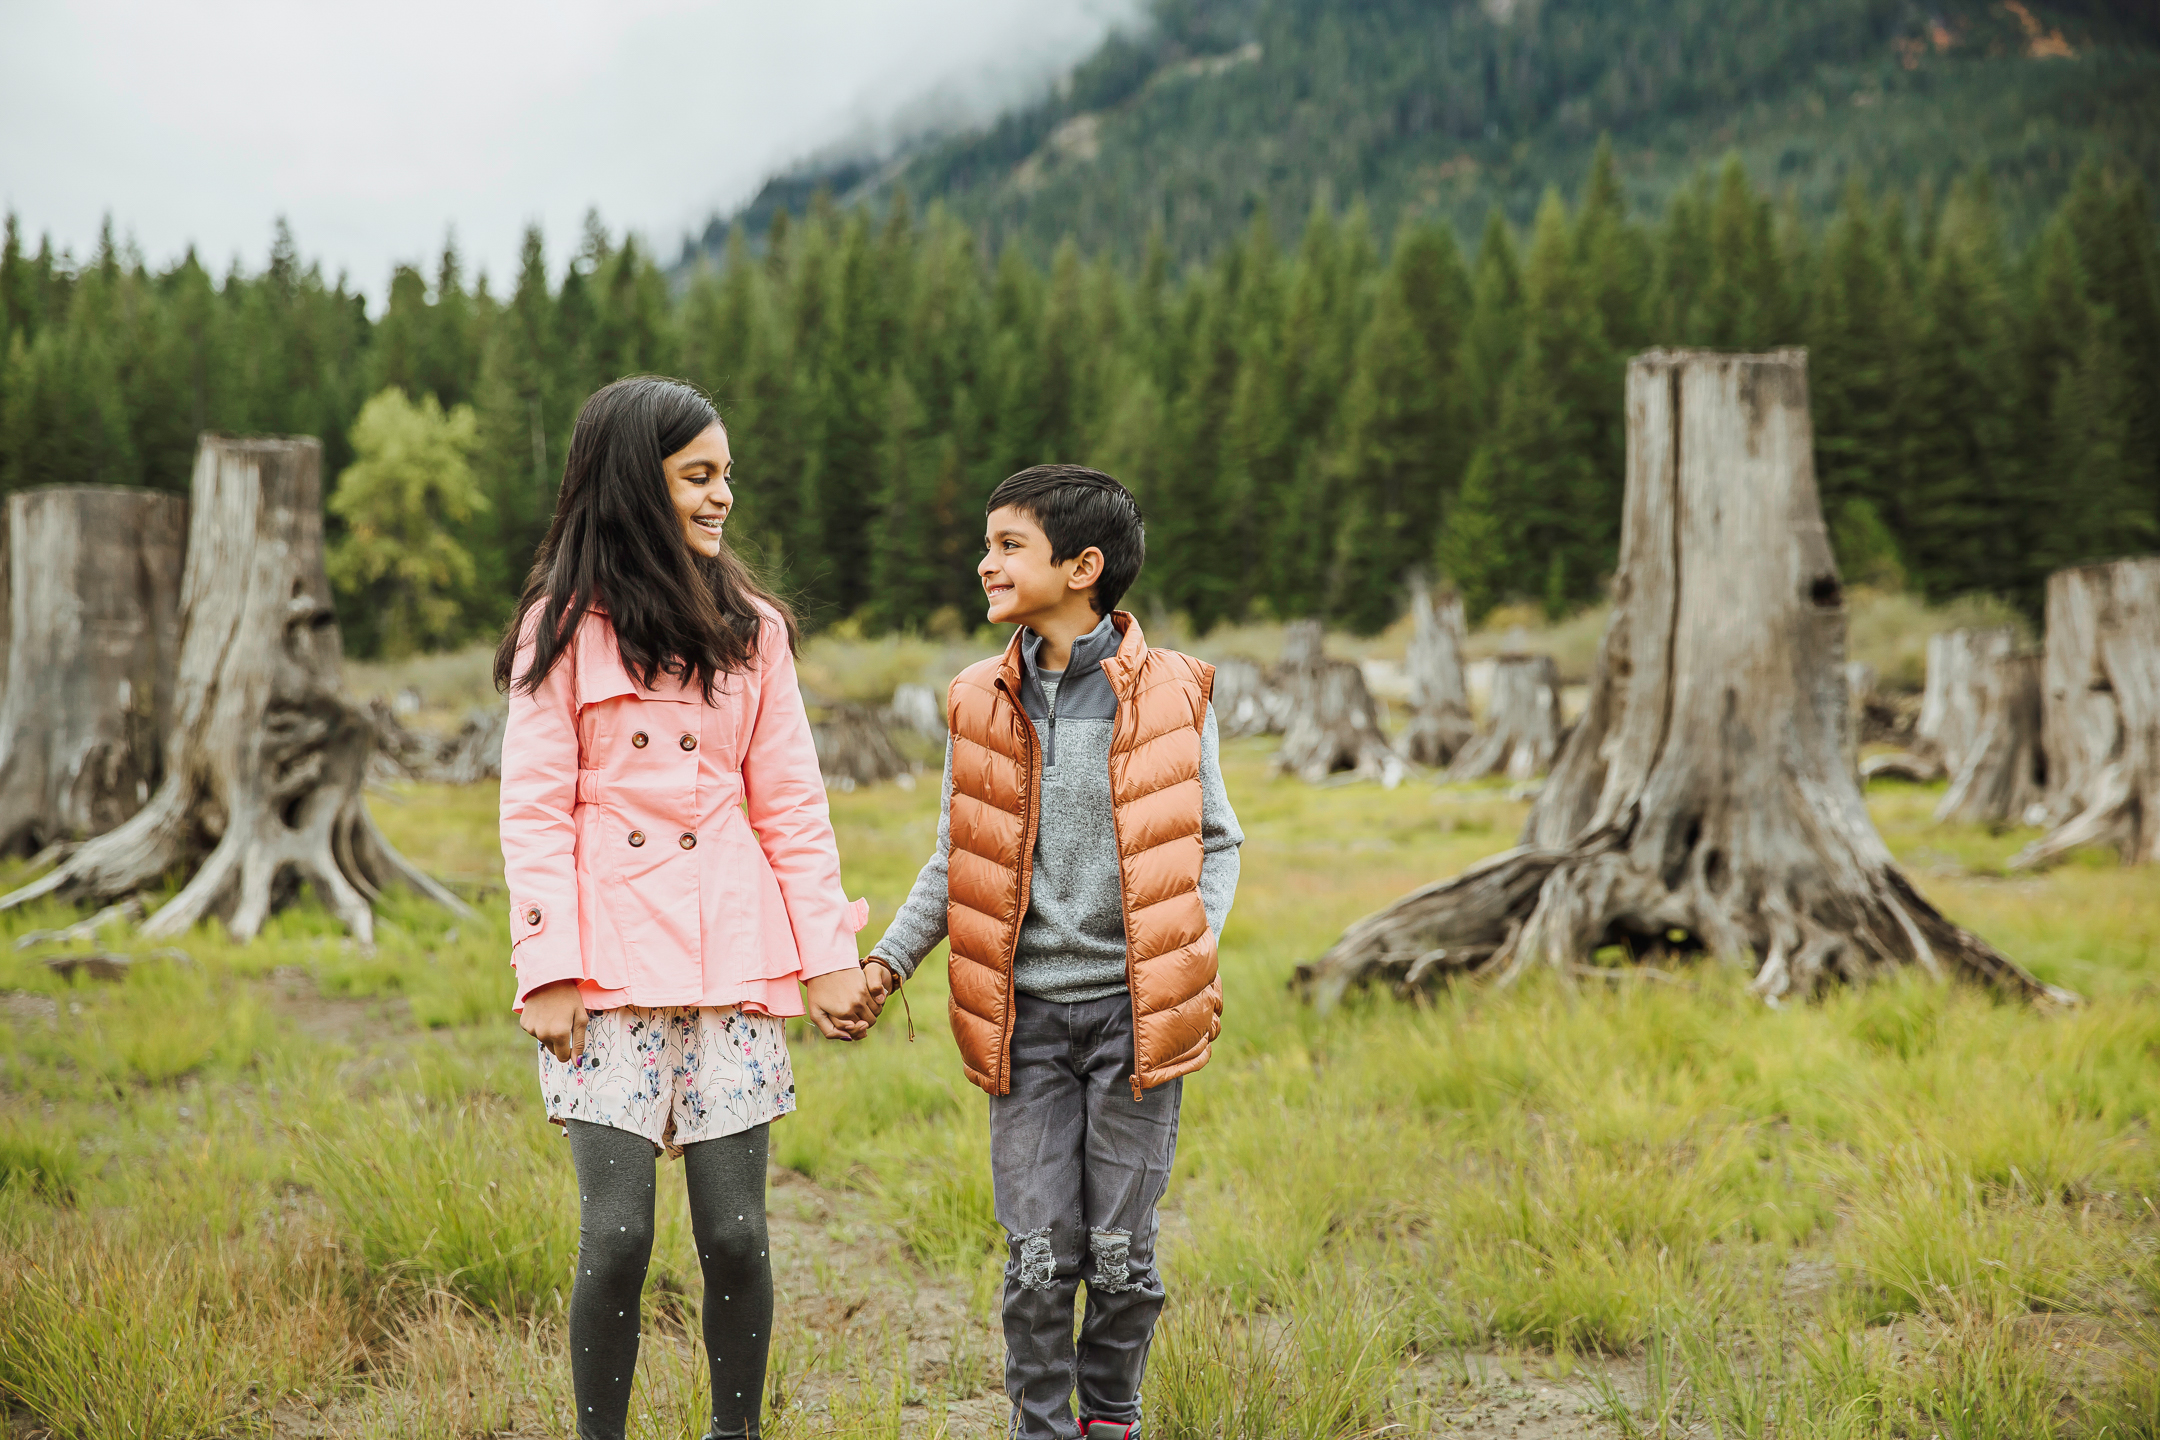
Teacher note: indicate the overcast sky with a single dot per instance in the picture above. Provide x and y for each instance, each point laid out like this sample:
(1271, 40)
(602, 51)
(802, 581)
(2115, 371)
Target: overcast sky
(374, 127)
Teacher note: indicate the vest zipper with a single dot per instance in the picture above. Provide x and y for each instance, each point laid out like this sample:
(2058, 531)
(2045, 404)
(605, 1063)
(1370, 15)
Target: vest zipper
(1030, 798)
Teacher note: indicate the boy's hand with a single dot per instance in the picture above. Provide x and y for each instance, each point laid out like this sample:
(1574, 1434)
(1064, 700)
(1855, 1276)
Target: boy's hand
(882, 982)
(840, 1005)
(555, 1016)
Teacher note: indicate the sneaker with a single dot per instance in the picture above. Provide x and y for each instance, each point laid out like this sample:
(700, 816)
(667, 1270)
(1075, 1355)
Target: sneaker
(1108, 1430)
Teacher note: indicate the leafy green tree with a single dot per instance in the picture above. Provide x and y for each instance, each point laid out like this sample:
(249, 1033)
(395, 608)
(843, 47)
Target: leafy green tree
(410, 484)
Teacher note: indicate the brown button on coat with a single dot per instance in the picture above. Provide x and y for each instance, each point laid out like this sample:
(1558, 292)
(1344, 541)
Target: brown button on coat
(1170, 964)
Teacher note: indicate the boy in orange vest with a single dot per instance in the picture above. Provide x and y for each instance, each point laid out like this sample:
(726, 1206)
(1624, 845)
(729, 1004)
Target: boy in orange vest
(1086, 860)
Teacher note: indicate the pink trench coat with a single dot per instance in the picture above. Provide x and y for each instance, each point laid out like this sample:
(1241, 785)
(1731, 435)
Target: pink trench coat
(662, 851)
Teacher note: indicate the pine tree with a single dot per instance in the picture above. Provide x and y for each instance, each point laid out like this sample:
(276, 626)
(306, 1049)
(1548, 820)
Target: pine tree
(1404, 433)
(1961, 477)
(1856, 337)
(517, 467)
(1743, 304)
(1493, 339)
(904, 579)
(1550, 479)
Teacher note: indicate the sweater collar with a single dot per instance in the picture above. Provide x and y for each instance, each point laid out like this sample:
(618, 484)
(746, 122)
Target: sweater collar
(1089, 651)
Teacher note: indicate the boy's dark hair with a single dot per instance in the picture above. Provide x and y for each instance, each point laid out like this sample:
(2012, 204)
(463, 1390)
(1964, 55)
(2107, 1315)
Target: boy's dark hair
(1078, 507)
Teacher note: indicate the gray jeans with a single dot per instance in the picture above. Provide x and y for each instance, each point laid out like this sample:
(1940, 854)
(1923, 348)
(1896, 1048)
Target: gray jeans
(1077, 1166)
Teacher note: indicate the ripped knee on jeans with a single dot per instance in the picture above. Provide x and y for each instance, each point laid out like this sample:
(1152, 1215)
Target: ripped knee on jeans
(1033, 1264)
(1112, 1250)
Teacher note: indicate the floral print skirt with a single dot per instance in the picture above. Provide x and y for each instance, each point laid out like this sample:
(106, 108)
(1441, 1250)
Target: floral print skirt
(675, 1076)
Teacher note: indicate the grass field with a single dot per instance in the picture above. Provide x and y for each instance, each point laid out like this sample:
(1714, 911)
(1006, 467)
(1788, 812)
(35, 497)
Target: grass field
(291, 1188)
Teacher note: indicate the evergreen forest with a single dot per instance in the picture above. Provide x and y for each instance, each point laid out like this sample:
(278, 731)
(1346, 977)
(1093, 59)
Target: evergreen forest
(1307, 416)
(1206, 110)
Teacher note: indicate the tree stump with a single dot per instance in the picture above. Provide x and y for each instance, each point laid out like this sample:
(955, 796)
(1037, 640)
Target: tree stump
(919, 709)
(1245, 702)
(1704, 802)
(264, 755)
(854, 747)
(2002, 774)
(91, 652)
(475, 752)
(2101, 696)
(1522, 725)
(1959, 666)
(1332, 724)
(1439, 702)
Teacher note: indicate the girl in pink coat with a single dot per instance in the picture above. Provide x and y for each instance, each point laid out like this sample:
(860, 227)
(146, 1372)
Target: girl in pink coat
(672, 877)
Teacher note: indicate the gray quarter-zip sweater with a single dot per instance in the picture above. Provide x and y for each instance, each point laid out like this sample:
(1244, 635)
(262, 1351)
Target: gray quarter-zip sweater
(1072, 942)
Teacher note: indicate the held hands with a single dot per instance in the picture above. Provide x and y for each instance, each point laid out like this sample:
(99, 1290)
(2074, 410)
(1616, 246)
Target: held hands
(841, 1005)
(555, 1016)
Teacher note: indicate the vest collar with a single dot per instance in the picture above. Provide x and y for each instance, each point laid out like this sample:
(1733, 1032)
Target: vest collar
(1120, 668)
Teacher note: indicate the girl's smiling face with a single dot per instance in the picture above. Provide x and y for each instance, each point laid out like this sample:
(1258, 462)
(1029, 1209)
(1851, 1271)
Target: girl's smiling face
(697, 477)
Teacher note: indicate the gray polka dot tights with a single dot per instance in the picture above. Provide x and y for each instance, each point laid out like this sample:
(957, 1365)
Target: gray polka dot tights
(615, 1237)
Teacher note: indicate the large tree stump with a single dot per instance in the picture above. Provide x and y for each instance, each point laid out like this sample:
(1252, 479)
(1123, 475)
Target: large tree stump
(2101, 694)
(1439, 702)
(1333, 723)
(264, 755)
(92, 644)
(1522, 724)
(1704, 802)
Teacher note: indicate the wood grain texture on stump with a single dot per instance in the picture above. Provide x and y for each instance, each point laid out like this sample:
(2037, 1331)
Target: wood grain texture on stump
(264, 755)
(1521, 734)
(2101, 702)
(93, 643)
(1440, 722)
(1705, 802)
(1332, 723)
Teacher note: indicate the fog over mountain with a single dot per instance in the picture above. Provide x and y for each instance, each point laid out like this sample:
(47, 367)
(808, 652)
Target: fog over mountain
(202, 124)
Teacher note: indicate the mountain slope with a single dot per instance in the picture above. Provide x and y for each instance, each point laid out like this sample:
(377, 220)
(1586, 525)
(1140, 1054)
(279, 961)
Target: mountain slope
(1224, 105)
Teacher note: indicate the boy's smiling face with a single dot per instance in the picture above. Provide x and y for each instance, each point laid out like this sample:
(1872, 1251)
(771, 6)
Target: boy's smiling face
(1023, 585)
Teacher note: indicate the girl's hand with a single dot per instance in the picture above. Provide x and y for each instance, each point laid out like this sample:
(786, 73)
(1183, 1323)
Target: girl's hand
(555, 1016)
(839, 1005)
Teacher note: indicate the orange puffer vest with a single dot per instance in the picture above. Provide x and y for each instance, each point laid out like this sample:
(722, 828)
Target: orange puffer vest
(1155, 797)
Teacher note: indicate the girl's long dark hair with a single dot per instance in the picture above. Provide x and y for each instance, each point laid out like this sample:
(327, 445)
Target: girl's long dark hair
(617, 544)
